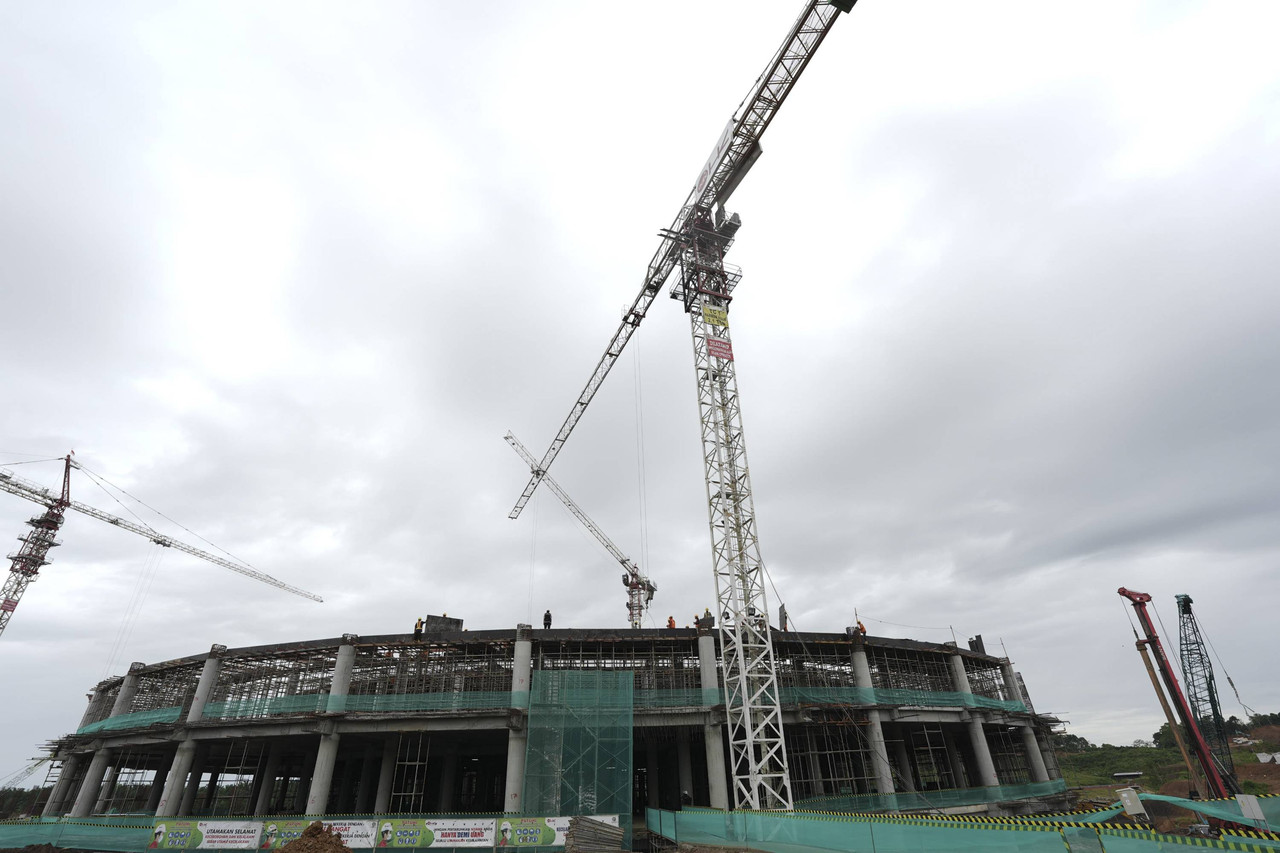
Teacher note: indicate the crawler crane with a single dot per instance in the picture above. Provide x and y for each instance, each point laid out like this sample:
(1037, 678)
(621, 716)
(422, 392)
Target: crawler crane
(26, 563)
(696, 242)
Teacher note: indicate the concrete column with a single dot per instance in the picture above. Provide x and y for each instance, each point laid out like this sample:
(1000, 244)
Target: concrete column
(368, 780)
(1047, 756)
(193, 783)
(267, 783)
(1035, 761)
(1011, 689)
(340, 682)
(208, 680)
(518, 738)
(93, 703)
(176, 782)
(210, 793)
(92, 784)
(53, 808)
(815, 773)
(879, 754)
(651, 774)
(685, 761)
(386, 775)
(448, 779)
(108, 789)
(903, 756)
(128, 689)
(717, 787)
(977, 738)
(322, 775)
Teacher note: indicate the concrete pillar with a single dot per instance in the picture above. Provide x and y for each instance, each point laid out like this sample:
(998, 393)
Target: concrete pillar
(108, 788)
(210, 793)
(386, 775)
(340, 682)
(157, 784)
(879, 753)
(712, 733)
(518, 738)
(208, 680)
(322, 775)
(1047, 756)
(1011, 689)
(193, 783)
(815, 774)
(54, 807)
(448, 779)
(977, 738)
(92, 784)
(1035, 761)
(128, 689)
(368, 781)
(651, 774)
(176, 782)
(89, 708)
(903, 756)
(685, 761)
(267, 780)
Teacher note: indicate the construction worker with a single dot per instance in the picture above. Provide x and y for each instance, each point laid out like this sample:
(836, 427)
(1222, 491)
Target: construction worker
(708, 620)
(671, 621)
(546, 619)
(862, 629)
(417, 630)
(782, 617)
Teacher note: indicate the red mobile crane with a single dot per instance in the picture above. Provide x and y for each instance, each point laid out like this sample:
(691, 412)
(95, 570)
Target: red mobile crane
(1220, 785)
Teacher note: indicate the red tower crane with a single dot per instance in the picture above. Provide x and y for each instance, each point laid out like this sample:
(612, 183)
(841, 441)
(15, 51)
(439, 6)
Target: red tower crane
(1217, 783)
(26, 563)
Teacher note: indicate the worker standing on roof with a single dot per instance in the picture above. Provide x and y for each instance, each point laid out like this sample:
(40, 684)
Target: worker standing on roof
(417, 629)
(782, 617)
(671, 621)
(546, 619)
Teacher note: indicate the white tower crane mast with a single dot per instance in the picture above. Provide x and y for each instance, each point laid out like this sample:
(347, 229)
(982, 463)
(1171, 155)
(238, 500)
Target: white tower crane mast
(27, 561)
(696, 242)
(640, 589)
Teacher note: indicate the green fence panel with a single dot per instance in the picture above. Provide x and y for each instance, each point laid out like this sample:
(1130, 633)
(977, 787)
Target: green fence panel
(894, 696)
(1224, 809)
(930, 800)
(477, 700)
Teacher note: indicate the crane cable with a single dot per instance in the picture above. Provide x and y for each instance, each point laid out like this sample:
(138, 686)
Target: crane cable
(1227, 675)
(641, 472)
(129, 621)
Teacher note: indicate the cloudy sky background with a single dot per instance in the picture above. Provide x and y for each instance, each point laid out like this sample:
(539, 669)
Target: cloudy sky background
(1007, 336)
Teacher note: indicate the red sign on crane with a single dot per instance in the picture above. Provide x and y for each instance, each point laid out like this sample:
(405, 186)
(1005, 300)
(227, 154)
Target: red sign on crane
(720, 349)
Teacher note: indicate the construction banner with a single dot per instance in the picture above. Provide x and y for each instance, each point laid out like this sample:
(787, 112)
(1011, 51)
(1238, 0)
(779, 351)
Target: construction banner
(174, 834)
(539, 831)
(433, 832)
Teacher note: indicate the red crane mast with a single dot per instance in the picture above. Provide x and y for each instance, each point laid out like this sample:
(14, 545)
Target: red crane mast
(1217, 785)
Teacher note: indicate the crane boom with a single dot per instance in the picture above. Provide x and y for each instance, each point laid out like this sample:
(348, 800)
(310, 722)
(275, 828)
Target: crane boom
(696, 242)
(640, 589)
(733, 155)
(1213, 778)
(29, 559)
(1202, 691)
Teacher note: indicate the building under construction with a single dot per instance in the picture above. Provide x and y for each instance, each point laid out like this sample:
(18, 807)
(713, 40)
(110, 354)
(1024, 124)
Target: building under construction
(548, 722)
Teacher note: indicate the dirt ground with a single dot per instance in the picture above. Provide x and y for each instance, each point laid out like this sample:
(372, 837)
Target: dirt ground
(316, 838)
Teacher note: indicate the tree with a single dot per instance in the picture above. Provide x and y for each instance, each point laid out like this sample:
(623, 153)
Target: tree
(1065, 742)
(1164, 738)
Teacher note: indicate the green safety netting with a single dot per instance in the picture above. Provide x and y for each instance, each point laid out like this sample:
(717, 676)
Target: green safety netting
(578, 758)
(300, 703)
(893, 696)
(1225, 809)
(690, 697)
(477, 700)
(83, 834)
(923, 800)
(137, 719)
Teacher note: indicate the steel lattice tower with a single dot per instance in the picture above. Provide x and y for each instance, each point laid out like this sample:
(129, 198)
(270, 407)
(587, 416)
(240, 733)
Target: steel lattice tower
(1202, 692)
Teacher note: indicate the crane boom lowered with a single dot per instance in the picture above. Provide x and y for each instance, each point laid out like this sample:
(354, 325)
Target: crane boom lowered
(640, 589)
(27, 564)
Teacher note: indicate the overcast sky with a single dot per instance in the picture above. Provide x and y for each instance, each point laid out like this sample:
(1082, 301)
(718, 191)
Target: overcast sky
(1006, 338)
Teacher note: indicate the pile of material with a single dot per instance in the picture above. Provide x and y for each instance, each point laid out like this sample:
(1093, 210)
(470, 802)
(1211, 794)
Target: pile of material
(316, 838)
(591, 836)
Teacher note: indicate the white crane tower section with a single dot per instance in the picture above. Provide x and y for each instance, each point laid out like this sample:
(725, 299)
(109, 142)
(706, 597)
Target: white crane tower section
(640, 589)
(696, 242)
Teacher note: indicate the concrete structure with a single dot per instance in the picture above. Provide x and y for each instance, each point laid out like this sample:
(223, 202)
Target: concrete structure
(387, 725)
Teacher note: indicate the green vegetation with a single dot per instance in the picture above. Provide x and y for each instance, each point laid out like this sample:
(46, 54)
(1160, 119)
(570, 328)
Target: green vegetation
(1094, 766)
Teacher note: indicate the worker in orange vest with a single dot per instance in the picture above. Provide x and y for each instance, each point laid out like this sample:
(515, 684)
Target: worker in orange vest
(671, 621)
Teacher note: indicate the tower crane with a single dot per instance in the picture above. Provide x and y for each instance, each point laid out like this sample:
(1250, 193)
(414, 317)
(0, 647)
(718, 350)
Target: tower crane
(696, 242)
(640, 589)
(1202, 692)
(1220, 785)
(27, 561)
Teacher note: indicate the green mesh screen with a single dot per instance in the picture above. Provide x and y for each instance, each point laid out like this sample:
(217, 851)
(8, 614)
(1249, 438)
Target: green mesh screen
(920, 800)
(135, 720)
(894, 696)
(478, 700)
(84, 835)
(1225, 809)
(301, 703)
(578, 759)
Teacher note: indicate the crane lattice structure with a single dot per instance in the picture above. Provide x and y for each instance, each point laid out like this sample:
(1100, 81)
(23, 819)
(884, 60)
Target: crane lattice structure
(640, 589)
(25, 565)
(696, 242)
(1202, 692)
